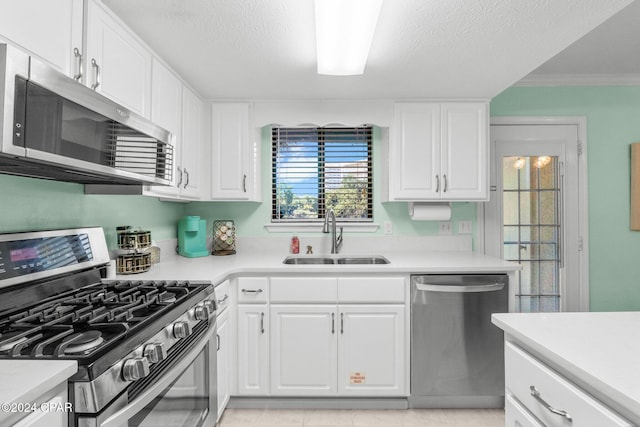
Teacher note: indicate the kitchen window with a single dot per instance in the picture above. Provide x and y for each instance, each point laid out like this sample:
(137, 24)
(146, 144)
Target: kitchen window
(317, 169)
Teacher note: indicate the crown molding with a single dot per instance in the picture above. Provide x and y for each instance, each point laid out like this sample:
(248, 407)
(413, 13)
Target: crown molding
(579, 80)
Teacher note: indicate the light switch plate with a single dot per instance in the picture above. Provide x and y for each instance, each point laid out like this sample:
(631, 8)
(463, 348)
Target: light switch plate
(465, 227)
(388, 227)
(445, 227)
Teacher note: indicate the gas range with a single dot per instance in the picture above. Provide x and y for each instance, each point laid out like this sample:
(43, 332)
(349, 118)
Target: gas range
(124, 334)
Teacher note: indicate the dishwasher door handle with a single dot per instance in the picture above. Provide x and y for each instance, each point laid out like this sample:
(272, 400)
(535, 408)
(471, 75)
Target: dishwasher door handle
(462, 288)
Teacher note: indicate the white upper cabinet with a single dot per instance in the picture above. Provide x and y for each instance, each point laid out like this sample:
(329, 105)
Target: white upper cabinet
(438, 152)
(50, 29)
(176, 108)
(192, 150)
(166, 112)
(117, 65)
(233, 152)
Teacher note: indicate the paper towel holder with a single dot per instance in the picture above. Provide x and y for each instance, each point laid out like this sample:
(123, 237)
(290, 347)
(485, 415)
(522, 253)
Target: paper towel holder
(437, 207)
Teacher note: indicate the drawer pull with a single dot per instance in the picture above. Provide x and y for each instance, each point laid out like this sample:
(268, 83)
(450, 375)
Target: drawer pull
(252, 291)
(226, 297)
(536, 394)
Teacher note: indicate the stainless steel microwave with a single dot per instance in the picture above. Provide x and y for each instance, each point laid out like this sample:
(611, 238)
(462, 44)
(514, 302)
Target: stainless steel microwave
(53, 127)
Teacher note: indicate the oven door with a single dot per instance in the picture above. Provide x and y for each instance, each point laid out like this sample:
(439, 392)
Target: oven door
(184, 396)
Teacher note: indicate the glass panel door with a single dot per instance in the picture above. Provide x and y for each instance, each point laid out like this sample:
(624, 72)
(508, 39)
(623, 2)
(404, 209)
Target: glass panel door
(531, 196)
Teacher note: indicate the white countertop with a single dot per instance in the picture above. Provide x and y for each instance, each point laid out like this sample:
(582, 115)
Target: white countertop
(218, 268)
(23, 381)
(598, 351)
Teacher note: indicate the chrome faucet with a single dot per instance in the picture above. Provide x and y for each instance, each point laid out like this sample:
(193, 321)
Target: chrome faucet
(336, 241)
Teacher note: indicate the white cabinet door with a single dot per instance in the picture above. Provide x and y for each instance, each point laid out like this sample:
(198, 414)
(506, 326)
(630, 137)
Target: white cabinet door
(253, 350)
(223, 361)
(49, 29)
(465, 154)
(232, 154)
(166, 112)
(517, 416)
(415, 153)
(303, 350)
(191, 152)
(371, 347)
(116, 61)
(439, 152)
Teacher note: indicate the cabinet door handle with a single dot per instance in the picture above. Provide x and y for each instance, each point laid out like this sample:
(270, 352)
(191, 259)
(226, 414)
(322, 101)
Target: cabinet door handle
(437, 183)
(218, 342)
(251, 291)
(78, 56)
(244, 183)
(226, 297)
(96, 69)
(180, 176)
(333, 323)
(262, 323)
(444, 177)
(186, 172)
(342, 323)
(536, 394)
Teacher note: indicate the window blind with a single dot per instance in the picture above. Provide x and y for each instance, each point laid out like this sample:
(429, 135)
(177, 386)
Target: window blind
(317, 169)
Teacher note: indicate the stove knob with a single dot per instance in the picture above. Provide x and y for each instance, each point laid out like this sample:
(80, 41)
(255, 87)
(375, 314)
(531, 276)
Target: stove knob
(210, 305)
(155, 352)
(135, 368)
(181, 329)
(201, 312)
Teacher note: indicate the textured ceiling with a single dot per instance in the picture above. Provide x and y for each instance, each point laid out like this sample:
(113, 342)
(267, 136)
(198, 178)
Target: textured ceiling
(613, 48)
(265, 49)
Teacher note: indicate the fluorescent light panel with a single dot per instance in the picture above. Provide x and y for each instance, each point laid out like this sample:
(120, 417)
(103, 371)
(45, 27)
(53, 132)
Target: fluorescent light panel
(344, 30)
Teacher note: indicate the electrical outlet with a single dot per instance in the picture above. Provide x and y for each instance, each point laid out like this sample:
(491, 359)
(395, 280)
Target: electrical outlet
(445, 227)
(465, 227)
(388, 227)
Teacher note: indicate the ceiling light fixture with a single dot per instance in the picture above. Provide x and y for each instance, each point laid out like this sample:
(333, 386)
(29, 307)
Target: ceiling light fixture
(344, 30)
(519, 163)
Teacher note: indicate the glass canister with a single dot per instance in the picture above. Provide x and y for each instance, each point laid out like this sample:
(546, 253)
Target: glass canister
(224, 237)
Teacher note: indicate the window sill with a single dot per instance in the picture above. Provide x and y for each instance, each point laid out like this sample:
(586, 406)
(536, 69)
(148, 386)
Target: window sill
(314, 227)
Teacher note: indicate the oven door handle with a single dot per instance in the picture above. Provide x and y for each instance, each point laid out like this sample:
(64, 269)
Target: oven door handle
(122, 417)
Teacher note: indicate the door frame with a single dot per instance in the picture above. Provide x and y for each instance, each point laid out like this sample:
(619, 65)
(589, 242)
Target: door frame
(583, 195)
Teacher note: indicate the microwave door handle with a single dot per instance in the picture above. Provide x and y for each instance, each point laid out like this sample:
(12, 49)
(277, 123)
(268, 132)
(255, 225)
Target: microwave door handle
(121, 417)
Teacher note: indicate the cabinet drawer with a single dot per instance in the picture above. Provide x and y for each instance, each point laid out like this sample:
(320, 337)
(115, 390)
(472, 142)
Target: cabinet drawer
(253, 290)
(517, 416)
(222, 296)
(524, 372)
(371, 289)
(304, 289)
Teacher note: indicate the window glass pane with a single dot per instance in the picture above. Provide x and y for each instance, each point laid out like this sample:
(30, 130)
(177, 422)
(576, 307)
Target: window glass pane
(548, 207)
(511, 252)
(548, 278)
(317, 169)
(510, 207)
(510, 173)
(529, 304)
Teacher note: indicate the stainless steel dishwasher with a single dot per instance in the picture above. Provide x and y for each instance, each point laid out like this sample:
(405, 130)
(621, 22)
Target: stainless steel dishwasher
(457, 354)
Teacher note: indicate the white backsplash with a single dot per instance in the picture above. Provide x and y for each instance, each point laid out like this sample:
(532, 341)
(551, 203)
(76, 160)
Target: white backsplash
(375, 245)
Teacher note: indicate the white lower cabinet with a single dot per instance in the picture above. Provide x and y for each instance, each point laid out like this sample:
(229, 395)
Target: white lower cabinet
(517, 416)
(222, 364)
(320, 347)
(303, 350)
(253, 349)
(371, 352)
(53, 411)
(536, 393)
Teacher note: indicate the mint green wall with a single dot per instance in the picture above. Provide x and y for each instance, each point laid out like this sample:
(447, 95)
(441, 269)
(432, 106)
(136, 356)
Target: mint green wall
(613, 122)
(250, 218)
(35, 204)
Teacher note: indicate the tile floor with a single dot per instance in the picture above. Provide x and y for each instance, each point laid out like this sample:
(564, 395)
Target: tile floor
(363, 418)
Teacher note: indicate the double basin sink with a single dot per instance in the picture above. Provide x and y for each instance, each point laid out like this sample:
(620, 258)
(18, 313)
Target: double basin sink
(374, 259)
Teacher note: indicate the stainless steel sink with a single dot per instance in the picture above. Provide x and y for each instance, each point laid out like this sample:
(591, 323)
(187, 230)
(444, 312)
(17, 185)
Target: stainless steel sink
(363, 260)
(336, 260)
(308, 260)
